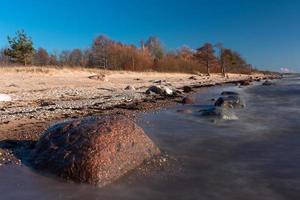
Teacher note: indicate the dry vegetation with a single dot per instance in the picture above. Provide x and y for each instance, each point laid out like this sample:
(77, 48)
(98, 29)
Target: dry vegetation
(108, 54)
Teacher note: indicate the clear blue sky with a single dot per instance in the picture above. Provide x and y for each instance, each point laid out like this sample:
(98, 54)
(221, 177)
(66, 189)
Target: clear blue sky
(265, 32)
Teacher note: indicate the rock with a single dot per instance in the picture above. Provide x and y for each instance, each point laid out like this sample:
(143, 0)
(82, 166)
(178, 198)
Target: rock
(187, 89)
(188, 100)
(5, 97)
(219, 112)
(158, 81)
(245, 82)
(230, 102)
(44, 103)
(267, 83)
(94, 150)
(161, 90)
(100, 77)
(231, 93)
(193, 78)
(129, 87)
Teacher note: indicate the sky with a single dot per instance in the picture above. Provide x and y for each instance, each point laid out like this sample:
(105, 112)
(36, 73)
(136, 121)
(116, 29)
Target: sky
(265, 32)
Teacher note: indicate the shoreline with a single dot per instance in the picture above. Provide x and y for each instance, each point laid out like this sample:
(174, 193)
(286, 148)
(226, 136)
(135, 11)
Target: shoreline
(26, 120)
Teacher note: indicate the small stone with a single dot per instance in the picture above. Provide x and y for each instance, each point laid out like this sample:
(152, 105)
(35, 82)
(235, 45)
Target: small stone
(100, 77)
(188, 100)
(187, 89)
(193, 78)
(129, 87)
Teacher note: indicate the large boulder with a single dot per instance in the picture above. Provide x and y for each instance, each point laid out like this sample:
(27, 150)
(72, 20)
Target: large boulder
(95, 150)
(233, 101)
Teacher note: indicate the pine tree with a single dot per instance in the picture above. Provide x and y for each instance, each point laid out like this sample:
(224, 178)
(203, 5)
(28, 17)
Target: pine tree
(205, 56)
(20, 48)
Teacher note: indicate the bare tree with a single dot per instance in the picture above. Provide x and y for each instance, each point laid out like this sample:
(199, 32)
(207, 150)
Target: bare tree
(76, 58)
(154, 46)
(221, 58)
(100, 51)
(41, 57)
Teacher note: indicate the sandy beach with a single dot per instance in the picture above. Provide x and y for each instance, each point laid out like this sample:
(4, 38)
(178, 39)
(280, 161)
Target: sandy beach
(41, 96)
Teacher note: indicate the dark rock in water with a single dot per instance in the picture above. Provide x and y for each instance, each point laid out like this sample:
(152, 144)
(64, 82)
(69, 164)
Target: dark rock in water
(187, 89)
(225, 93)
(95, 150)
(267, 83)
(219, 112)
(188, 100)
(245, 82)
(230, 102)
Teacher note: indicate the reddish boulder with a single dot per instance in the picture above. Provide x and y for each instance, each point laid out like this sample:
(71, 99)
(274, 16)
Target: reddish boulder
(95, 150)
(188, 100)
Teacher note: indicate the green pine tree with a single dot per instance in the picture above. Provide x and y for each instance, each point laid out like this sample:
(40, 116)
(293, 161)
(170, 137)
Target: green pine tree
(20, 48)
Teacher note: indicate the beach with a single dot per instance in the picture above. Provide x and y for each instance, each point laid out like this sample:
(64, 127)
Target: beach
(253, 156)
(41, 96)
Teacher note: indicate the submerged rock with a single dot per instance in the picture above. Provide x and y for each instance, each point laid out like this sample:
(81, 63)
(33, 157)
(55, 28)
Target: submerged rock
(219, 112)
(267, 83)
(232, 101)
(95, 150)
(188, 100)
(185, 111)
(231, 93)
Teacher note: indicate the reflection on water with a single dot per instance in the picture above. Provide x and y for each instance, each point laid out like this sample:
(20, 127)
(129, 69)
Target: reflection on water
(255, 157)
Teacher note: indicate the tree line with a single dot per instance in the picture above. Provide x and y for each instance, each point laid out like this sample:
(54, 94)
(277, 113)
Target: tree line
(113, 55)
